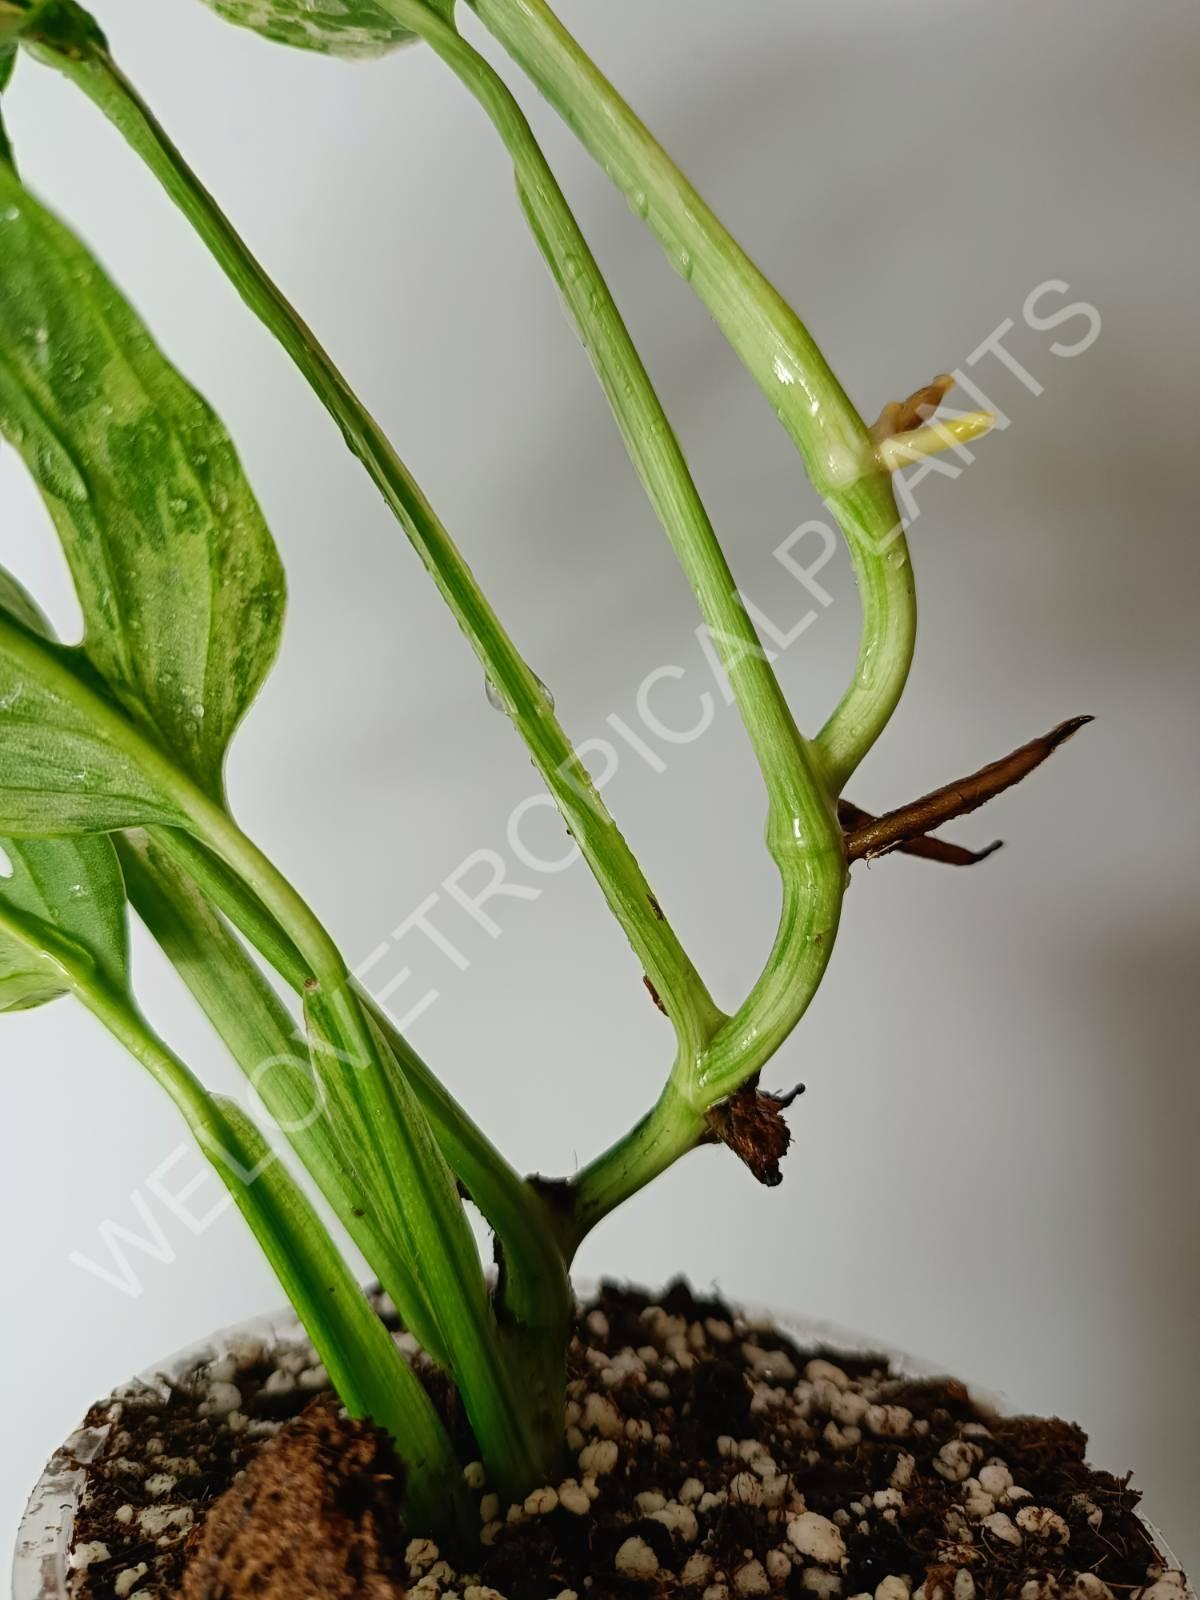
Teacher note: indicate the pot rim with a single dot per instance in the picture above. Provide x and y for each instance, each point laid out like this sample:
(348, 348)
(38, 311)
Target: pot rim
(40, 1569)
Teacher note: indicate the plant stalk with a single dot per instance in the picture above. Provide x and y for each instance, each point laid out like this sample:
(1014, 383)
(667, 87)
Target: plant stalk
(803, 833)
(76, 49)
(774, 345)
(536, 1288)
(369, 1373)
(413, 1189)
(443, 1252)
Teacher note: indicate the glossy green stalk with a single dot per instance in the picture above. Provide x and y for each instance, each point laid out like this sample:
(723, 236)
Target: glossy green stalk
(263, 1039)
(401, 1152)
(774, 345)
(652, 444)
(364, 1365)
(74, 45)
(534, 1297)
(803, 833)
(413, 1193)
(226, 891)
(537, 1291)
(812, 899)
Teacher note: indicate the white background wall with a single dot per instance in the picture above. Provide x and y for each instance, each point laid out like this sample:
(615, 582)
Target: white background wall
(996, 1161)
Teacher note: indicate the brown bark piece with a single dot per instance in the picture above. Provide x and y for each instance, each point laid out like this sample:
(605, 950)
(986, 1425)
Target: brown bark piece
(315, 1517)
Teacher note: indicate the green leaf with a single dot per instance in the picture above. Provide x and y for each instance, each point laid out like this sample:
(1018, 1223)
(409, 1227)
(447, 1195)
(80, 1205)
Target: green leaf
(70, 761)
(177, 575)
(352, 29)
(69, 889)
(72, 890)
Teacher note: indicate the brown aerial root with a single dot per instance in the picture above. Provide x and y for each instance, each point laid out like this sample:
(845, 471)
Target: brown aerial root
(751, 1123)
(852, 818)
(901, 829)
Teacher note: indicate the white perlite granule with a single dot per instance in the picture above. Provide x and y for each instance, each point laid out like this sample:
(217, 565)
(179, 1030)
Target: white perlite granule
(123, 1586)
(88, 1555)
(635, 1559)
(1042, 1523)
(1001, 1526)
(816, 1537)
(751, 1579)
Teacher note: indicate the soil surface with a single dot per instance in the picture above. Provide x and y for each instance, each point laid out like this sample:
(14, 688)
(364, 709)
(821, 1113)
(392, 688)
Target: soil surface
(705, 1456)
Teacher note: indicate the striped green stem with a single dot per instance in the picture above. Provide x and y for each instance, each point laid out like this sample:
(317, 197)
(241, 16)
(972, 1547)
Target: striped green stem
(803, 833)
(369, 1373)
(80, 53)
(649, 438)
(536, 1287)
(772, 342)
(262, 1038)
(408, 1170)
(412, 1193)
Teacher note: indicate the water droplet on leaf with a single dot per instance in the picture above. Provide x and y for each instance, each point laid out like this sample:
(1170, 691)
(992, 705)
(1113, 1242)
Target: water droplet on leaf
(496, 699)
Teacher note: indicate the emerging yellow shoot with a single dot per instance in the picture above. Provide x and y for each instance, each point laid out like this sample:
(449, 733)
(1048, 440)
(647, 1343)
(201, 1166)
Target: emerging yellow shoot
(906, 432)
(904, 448)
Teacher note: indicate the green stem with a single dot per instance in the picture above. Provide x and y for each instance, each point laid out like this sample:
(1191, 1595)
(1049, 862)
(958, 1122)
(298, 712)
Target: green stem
(247, 913)
(803, 833)
(413, 1191)
(651, 441)
(774, 345)
(812, 899)
(425, 1202)
(77, 51)
(262, 1037)
(534, 1295)
(668, 1132)
(536, 1287)
(366, 1369)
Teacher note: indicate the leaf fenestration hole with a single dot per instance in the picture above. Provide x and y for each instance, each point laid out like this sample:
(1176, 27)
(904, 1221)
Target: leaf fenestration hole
(6, 866)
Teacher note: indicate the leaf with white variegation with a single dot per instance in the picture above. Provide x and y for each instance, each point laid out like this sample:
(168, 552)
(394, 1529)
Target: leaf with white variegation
(69, 889)
(71, 760)
(179, 580)
(64, 891)
(348, 28)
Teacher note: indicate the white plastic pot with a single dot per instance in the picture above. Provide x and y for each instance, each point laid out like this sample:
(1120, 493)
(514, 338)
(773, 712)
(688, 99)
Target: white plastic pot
(40, 1569)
